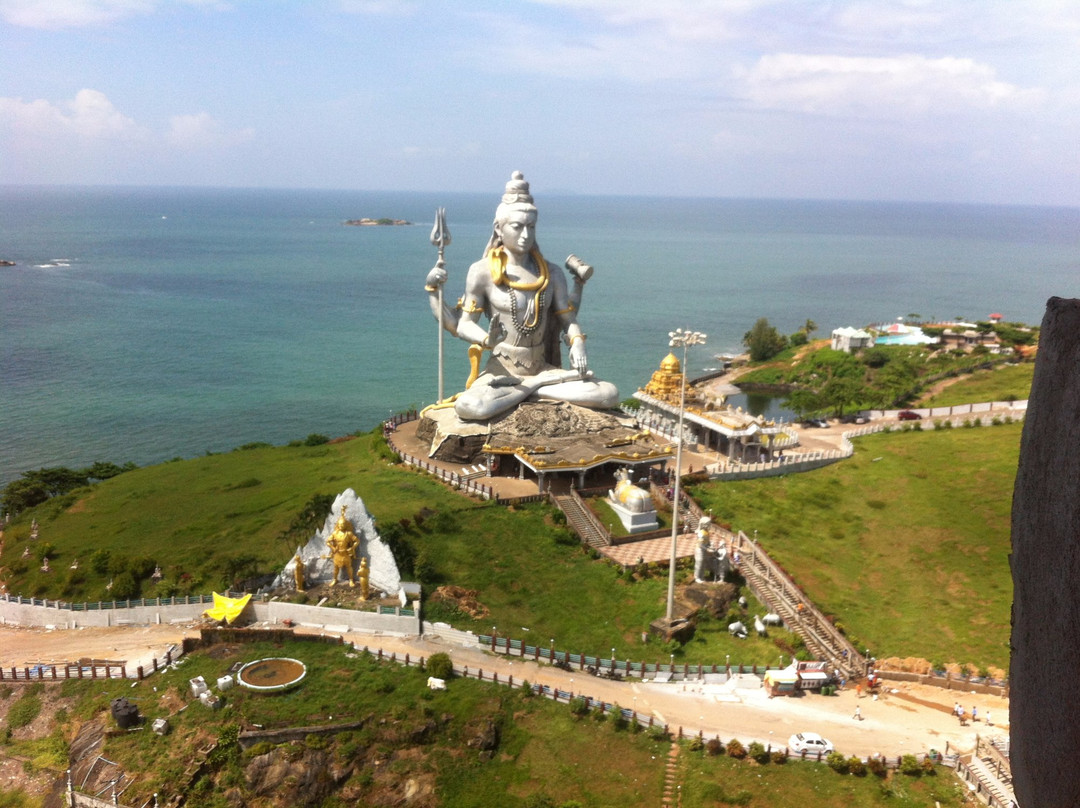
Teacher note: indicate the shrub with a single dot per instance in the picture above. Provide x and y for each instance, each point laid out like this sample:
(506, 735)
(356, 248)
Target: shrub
(598, 713)
(877, 766)
(856, 766)
(125, 587)
(735, 749)
(315, 439)
(928, 766)
(424, 569)
(258, 749)
(442, 522)
(837, 762)
(315, 741)
(658, 733)
(619, 721)
(565, 537)
(99, 561)
(909, 765)
(23, 711)
(714, 747)
(758, 753)
(779, 756)
(696, 744)
(526, 688)
(579, 706)
(440, 666)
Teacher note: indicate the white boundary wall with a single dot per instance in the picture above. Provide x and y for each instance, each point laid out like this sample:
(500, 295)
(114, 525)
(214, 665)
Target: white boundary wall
(12, 612)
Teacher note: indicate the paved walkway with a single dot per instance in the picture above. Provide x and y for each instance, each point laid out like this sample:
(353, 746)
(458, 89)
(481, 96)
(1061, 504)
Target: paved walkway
(650, 550)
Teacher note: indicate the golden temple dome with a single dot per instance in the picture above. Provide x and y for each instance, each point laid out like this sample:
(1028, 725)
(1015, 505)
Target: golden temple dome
(666, 382)
(670, 364)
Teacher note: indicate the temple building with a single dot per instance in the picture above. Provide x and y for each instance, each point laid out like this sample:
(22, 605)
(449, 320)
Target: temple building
(708, 422)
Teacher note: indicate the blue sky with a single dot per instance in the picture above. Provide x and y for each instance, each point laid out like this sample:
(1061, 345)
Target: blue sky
(951, 101)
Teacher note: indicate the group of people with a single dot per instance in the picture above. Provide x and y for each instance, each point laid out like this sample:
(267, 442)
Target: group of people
(959, 712)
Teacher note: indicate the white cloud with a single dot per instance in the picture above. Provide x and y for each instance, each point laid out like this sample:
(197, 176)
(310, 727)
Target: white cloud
(58, 14)
(54, 14)
(202, 131)
(880, 87)
(90, 115)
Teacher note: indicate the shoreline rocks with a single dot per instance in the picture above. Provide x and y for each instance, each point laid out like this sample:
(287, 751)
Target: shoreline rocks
(377, 222)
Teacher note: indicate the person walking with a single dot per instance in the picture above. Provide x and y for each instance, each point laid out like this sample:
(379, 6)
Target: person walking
(974, 714)
(858, 713)
(989, 723)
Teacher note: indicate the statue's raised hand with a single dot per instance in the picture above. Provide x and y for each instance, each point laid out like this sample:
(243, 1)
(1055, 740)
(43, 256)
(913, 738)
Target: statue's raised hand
(437, 276)
(496, 332)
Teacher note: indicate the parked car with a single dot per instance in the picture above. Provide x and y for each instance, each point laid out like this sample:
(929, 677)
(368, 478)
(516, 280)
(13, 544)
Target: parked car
(821, 423)
(908, 415)
(809, 742)
(855, 419)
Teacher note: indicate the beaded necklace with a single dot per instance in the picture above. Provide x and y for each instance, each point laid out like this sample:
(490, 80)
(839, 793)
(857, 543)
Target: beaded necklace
(498, 258)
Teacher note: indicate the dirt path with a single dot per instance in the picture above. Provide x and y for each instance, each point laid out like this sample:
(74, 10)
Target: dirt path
(21, 647)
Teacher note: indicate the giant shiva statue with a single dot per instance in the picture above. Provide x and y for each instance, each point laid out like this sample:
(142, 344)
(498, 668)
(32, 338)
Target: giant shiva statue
(529, 309)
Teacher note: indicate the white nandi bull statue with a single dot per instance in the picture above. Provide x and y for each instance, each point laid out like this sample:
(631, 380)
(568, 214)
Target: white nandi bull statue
(628, 495)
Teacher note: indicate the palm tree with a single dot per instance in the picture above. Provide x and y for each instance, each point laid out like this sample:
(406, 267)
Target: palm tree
(809, 327)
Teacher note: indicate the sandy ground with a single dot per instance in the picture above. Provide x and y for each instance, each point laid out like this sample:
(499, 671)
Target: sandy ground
(905, 717)
(21, 647)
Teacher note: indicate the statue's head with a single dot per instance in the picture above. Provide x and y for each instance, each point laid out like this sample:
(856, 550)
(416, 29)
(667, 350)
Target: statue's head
(515, 218)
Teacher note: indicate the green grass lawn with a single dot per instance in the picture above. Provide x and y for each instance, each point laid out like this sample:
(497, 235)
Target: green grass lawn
(908, 551)
(906, 543)
(721, 781)
(1003, 383)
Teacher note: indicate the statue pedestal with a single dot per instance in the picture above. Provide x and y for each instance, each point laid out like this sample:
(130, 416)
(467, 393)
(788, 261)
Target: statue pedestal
(679, 629)
(634, 521)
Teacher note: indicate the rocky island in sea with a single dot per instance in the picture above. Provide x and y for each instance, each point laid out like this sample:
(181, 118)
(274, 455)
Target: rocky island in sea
(376, 222)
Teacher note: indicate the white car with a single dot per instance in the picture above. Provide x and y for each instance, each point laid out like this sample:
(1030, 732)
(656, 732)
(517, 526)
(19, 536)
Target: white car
(809, 742)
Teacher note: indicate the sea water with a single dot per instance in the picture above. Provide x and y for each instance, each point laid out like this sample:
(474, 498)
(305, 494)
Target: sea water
(145, 324)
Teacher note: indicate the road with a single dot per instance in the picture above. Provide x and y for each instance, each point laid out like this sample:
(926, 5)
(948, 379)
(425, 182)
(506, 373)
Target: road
(906, 718)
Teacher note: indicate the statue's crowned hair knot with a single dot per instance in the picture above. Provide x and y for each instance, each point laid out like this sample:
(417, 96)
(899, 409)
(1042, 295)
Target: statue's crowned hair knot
(517, 190)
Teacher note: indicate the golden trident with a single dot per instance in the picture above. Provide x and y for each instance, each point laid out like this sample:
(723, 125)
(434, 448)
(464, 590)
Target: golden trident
(440, 237)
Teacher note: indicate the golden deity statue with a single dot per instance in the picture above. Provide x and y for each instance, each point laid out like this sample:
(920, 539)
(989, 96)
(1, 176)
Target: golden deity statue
(342, 545)
(363, 576)
(298, 573)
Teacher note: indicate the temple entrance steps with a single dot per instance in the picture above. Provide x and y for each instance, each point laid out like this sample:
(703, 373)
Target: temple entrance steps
(781, 596)
(980, 773)
(581, 520)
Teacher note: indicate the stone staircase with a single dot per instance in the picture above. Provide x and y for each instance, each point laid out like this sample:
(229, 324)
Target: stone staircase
(672, 793)
(782, 597)
(581, 520)
(989, 787)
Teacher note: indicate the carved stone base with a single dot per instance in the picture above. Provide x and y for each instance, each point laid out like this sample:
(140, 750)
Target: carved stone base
(543, 426)
(680, 629)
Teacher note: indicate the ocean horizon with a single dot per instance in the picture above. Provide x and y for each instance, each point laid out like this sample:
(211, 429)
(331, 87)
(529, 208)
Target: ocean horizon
(142, 324)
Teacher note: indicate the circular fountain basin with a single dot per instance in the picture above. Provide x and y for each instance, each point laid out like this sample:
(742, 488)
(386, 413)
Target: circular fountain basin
(271, 675)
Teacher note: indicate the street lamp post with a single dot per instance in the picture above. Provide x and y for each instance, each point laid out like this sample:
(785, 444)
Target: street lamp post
(679, 339)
